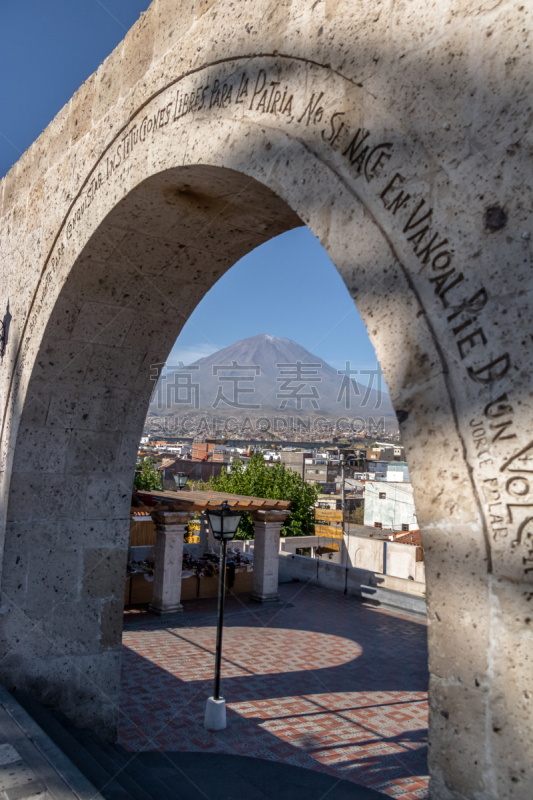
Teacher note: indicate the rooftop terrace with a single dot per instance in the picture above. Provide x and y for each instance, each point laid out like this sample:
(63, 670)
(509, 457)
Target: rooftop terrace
(319, 680)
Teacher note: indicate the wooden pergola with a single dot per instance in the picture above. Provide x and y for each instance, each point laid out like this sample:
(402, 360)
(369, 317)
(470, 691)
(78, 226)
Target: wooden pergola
(194, 502)
(172, 511)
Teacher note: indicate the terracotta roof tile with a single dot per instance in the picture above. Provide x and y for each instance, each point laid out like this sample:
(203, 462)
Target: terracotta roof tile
(413, 537)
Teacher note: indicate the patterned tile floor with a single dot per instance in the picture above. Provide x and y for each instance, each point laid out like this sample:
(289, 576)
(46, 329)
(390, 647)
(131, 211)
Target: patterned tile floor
(322, 682)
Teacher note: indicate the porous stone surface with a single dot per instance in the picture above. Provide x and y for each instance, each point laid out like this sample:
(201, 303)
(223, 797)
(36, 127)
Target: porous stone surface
(400, 133)
(267, 530)
(170, 529)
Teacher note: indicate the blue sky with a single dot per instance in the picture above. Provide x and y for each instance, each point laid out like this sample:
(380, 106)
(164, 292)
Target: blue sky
(287, 288)
(48, 48)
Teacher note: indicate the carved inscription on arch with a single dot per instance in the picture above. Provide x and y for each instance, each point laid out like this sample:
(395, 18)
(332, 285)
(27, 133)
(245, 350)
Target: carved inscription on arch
(367, 157)
(317, 109)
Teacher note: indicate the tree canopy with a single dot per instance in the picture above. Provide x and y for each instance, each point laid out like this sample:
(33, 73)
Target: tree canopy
(147, 479)
(258, 479)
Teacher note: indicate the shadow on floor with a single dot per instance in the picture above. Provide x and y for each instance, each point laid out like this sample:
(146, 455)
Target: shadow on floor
(363, 719)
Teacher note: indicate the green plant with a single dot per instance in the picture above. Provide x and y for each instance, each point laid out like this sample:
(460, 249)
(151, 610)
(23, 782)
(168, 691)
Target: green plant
(357, 515)
(147, 479)
(276, 482)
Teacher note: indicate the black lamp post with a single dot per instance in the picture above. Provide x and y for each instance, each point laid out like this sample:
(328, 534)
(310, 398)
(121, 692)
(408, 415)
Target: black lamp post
(180, 479)
(223, 523)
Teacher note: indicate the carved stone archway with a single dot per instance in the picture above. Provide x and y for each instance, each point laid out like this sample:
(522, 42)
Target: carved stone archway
(400, 137)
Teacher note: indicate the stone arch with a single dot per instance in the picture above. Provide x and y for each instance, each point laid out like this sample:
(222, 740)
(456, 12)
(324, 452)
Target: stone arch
(302, 131)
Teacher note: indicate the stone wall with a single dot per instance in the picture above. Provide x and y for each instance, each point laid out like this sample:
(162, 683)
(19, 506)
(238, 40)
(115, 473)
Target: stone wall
(400, 134)
(378, 589)
(375, 555)
(365, 553)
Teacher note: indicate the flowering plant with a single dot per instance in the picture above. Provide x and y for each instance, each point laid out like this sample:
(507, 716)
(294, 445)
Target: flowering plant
(146, 566)
(207, 565)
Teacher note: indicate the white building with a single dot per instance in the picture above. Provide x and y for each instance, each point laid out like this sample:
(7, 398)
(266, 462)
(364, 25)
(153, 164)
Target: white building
(178, 449)
(398, 472)
(390, 506)
(271, 455)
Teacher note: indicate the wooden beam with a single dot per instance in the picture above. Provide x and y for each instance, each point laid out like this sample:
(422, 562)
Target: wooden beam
(199, 501)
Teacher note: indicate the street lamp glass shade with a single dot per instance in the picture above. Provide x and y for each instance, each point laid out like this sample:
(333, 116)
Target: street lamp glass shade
(224, 522)
(180, 479)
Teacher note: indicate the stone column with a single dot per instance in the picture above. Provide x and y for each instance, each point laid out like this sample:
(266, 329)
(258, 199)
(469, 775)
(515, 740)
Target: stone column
(267, 526)
(171, 527)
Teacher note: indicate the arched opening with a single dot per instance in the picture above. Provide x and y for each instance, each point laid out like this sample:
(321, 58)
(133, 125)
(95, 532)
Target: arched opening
(127, 296)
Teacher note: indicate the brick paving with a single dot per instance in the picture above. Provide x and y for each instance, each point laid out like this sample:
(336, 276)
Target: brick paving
(324, 682)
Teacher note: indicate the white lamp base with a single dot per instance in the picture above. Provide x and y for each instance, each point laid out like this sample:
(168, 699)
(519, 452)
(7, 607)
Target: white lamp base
(215, 714)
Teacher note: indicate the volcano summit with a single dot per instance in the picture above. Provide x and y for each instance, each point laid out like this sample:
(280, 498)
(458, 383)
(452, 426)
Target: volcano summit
(264, 376)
